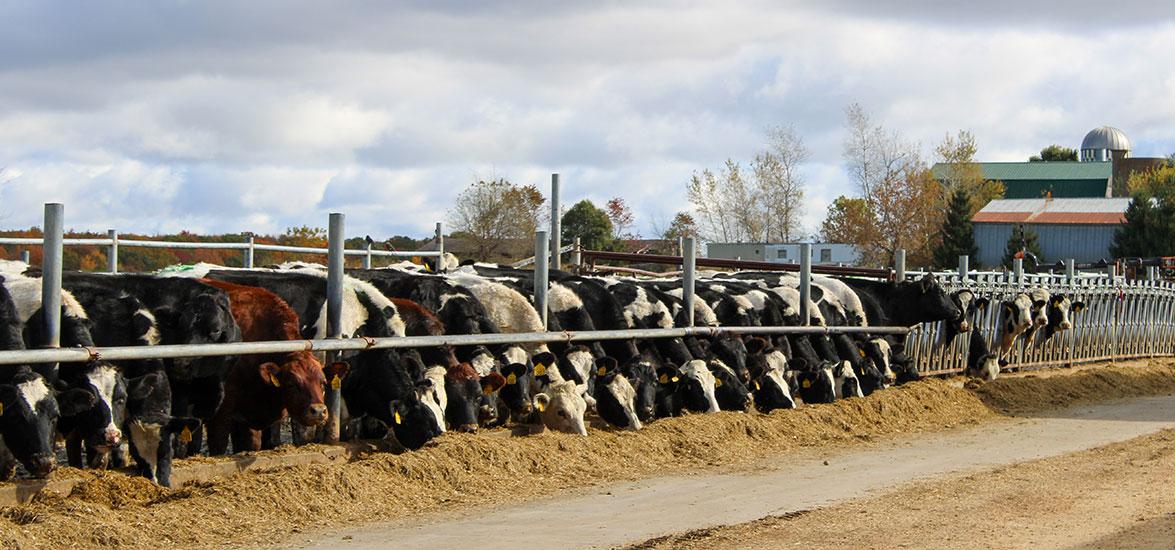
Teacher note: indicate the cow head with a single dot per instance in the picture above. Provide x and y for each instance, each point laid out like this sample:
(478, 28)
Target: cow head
(491, 384)
(464, 392)
(28, 418)
(922, 301)
(1060, 309)
(615, 396)
(768, 368)
(696, 387)
(301, 381)
(431, 391)
(576, 364)
(969, 305)
(150, 427)
(879, 351)
(817, 383)
(205, 319)
(1015, 318)
(98, 424)
(413, 422)
(561, 408)
(732, 352)
(643, 378)
(516, 393)
(729, 390)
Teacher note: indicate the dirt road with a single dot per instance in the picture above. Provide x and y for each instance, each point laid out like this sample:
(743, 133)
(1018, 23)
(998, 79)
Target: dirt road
(633, 512)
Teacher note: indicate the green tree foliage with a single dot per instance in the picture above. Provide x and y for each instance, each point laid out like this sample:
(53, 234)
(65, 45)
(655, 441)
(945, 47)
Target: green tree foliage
(1054, 153)
(1022, 243)
(955, 237)
(493, 214)
(590, 224)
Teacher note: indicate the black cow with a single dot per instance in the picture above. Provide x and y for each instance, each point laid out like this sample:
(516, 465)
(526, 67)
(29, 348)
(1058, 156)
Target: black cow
(817, 382)
(615, 396)
(904, 304)
(643, 377)
(981, 362)
(151, 427)
(768, 368)
(969, 305)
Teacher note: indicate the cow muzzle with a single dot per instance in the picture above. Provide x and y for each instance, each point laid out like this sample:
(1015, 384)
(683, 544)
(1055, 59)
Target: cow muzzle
(964, 327)
(112, 436)
(468, 428)
(41, 464)
(316, 415)
(1066, 325)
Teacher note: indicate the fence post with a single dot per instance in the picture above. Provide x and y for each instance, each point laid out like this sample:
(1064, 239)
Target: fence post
(51, 255)
(336, 234)
(687, 284)
(440, 234)
(540, 274)
(899, 261)
(964, 268)
(112, 252)
(806, 281)
(576, 259)
(367, 256)
(1112, 272)
(1018, 271)
(249, 254)
(25, 256)
(556, 225)
(1070, 270)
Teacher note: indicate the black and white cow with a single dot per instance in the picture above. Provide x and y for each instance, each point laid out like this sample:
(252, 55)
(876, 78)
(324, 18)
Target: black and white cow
(905, 303)
(729, 390)
(615, 396)
(151, 428)
(969, 306)
(1060, 311)
(1016, 318)
(817, 383)
(768, 369)
(981, 361)
(696, 387)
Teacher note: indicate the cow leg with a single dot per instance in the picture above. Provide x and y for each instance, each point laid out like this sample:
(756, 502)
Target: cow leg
(271, 437)
(218, 435)
(245, 438)
(73, 449)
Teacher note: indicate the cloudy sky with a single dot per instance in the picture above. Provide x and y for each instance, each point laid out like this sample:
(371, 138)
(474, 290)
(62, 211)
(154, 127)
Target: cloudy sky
(233, 116)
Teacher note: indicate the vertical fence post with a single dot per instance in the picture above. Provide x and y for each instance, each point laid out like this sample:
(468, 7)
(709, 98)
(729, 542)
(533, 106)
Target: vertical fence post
(681, 246)
(112, 252)
(51, 256)
(1070, 270)
(964, 267)
(25, 256)
(687, 272)
(440, 234)
(556, 224)
(576, 259)
(336, 234)
(367, 255)
(806, 281)
(540, 274)
(249, 253)
(899, 263)
(1018, 271)
(1112, 272)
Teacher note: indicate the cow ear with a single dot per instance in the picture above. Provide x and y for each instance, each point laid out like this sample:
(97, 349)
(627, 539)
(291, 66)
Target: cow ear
(1077, 307)
(492, 382)
(74, 402)
(1039, 303)
(541, 401)
(166, 316)
(981, 303)
(756, 345)
(269, 373)
(398, 410)
(7, 397)
(142, 386)
(335, 372)
(178, 423)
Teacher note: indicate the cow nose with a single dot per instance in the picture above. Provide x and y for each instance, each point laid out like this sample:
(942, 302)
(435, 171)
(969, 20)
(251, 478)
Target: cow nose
(648, 412)
(526, 407)
(42, 464)
(468, 428)
(317, 414)
(1066, 325)
(964, 327)
(113, 436)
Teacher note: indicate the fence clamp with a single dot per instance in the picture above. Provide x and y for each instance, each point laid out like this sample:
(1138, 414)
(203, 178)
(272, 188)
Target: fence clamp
(94, 355)
(370, 341)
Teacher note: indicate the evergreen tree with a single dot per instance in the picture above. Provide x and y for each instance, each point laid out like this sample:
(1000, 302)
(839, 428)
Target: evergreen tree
(1022, 239)
(1132, 238)
(590, 224)
(955, 237)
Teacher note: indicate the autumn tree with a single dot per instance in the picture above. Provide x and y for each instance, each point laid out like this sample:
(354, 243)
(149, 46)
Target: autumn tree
(491, 213)
(1024, 244)
(1054, 153)
(957, 169)
(589, 224)
(955, 237)
(683, 226)
(621, 217)
(780, 184)
(902, 199)
(848, 221)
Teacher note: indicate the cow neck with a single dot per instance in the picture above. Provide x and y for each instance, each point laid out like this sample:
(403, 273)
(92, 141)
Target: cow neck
(259, 404)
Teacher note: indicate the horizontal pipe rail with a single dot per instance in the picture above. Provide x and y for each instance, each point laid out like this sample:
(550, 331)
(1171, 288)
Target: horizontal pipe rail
(590, 255)
(37, 241)
(530, 261)
(123, 353)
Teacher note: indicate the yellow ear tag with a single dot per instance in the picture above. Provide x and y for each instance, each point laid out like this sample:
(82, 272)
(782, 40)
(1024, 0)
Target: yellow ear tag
(540, 370)
(862, 352)
(1, 408)
(541, 407)
(664, 379)
(336, 382)
(397, 417)
(186, 435)
(273, 380)
(717, 382)
(757, 384)
(806, 383)
(512, 379)
(675, 379)
(602, 371)
(488, 390)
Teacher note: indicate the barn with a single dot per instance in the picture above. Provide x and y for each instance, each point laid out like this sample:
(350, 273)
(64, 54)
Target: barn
(1078, 228)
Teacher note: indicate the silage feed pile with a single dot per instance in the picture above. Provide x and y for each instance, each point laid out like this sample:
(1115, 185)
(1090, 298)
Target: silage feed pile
(456, 470)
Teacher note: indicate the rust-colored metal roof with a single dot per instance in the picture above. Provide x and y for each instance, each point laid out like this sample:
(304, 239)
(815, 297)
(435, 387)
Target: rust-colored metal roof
(1059, 211)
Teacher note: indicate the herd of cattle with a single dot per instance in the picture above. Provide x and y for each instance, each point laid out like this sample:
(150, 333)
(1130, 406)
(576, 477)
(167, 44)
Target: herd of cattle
(156, 409)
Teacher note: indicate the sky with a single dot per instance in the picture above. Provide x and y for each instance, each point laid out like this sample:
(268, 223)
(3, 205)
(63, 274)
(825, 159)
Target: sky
(257, 116)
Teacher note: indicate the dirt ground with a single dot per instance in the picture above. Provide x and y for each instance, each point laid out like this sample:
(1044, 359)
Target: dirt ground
(459, 471)
(1116, 496)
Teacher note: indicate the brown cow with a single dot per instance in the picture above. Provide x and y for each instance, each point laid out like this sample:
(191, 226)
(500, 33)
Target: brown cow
(262, 389)
(419, 321)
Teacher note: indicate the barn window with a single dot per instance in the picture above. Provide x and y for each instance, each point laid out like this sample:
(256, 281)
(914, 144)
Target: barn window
(825, 254)
(781, 254)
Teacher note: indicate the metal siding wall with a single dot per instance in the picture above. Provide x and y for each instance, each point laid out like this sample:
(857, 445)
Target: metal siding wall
(991, 239)
(1084, 243)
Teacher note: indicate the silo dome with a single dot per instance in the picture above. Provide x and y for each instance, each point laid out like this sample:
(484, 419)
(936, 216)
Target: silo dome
(1100, 142)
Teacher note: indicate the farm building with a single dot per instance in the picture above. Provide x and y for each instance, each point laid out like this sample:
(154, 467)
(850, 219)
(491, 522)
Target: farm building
(1082, 229)
(1104, 168)
(784, 253)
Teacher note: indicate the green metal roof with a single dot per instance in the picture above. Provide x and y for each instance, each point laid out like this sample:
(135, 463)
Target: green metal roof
(1038, 171)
